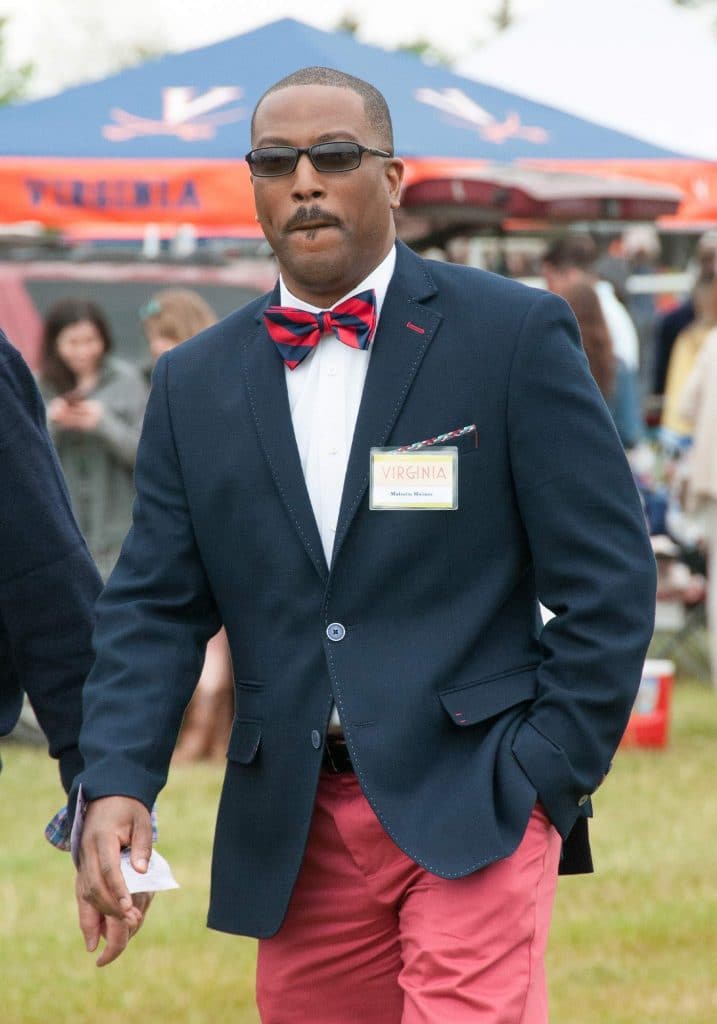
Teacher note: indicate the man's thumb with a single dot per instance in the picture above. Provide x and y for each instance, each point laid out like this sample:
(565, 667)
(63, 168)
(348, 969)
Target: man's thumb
(141, 845)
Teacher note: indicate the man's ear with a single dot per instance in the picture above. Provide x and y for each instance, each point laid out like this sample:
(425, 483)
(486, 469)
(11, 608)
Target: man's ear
(394, 177)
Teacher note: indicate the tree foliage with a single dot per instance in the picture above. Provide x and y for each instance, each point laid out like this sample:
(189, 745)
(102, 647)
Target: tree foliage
(425, 49)
(348, 23)
(13, 81)
(503, 16)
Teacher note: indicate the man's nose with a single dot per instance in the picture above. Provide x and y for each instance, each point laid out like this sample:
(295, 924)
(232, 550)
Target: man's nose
(308, 182)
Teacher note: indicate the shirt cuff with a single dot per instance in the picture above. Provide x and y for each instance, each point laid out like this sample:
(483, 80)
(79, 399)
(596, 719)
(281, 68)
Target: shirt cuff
(59, 830)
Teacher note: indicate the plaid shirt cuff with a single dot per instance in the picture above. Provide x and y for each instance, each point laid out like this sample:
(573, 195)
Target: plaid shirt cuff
(59, 829)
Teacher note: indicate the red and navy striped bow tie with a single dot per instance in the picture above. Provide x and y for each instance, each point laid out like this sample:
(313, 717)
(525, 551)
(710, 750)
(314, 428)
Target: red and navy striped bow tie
(297, 331)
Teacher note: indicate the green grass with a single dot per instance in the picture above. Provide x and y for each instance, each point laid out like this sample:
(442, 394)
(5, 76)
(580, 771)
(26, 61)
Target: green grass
(636, 943)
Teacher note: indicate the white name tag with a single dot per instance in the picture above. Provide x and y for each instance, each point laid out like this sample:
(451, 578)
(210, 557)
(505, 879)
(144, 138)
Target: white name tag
(414, 480)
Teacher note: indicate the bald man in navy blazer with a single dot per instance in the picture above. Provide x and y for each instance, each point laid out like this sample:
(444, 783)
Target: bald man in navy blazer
(404, 724)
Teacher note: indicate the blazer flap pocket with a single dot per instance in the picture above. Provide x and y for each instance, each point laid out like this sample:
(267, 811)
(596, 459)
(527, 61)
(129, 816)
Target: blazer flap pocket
(480, 700)
(244, 740)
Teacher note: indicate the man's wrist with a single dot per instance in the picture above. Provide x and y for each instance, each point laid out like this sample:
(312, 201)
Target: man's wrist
(58, 831)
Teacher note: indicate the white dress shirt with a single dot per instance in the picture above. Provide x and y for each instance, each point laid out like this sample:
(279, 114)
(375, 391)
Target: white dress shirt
(324, 396)
(325, 393)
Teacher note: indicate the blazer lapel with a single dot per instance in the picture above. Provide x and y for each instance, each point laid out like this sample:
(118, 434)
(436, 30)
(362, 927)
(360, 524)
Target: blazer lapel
(405, 331)
(266, 387)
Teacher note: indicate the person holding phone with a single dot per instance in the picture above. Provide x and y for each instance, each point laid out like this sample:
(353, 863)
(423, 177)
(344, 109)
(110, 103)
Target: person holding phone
(95, 404)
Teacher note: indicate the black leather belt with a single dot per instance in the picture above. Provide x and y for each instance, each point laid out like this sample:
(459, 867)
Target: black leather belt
(336, 758)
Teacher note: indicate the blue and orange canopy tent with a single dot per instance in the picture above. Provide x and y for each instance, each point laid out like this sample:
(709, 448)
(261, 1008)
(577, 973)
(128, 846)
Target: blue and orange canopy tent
(164, 142)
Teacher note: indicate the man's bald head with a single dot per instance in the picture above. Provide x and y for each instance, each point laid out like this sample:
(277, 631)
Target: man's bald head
(377, 112)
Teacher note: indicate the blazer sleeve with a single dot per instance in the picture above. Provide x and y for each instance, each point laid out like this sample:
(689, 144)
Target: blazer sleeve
(593, 563)
(154, 619)
(48, 582)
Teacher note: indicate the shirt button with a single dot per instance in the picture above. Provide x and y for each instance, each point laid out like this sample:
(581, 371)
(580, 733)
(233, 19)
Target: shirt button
(315, 739)
(332, 371)
(333, 451)
(336, 631)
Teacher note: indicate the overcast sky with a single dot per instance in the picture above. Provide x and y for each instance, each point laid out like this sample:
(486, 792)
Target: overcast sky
(71, 41)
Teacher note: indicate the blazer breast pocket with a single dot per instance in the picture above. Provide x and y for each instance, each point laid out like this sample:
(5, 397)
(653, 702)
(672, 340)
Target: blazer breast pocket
(469, 442)
(466, 445)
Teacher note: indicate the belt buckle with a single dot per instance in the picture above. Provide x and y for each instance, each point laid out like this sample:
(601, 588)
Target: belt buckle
(336, 757)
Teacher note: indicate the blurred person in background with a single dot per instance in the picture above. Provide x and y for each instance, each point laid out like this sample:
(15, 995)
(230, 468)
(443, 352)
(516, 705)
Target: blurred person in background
(95, 404)
(616, 384)
(641, 246)
(677, 429)
(573, 258)
(594, 333)
(699, 406)
(612, 266)
(670, 325)
(170, 317)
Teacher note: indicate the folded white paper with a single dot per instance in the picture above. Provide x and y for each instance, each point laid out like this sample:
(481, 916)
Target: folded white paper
(157, 877)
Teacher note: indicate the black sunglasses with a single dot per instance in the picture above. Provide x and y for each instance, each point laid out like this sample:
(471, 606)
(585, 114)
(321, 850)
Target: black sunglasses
(327, 157)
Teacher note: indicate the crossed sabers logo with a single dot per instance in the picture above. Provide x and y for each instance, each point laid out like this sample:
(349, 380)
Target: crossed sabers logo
(184, 114)
(465, 110)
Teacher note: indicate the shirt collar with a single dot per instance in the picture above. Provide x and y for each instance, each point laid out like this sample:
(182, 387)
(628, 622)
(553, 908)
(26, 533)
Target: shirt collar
(379, 279)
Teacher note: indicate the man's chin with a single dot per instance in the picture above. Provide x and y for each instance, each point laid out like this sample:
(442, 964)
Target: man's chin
(319, 276)
(318, 256)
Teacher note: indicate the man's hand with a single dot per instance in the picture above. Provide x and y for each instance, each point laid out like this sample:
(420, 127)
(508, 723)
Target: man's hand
(116, 933)
(112, 823)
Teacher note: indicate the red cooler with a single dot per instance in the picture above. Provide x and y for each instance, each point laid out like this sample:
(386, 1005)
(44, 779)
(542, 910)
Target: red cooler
(650, 719)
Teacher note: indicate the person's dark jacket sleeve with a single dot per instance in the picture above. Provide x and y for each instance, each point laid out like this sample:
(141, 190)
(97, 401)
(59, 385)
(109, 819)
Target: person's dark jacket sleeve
(48, 582)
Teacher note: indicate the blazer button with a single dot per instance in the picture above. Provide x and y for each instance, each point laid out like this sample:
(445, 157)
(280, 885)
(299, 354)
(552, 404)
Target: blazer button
(315, 739)
(336, 631)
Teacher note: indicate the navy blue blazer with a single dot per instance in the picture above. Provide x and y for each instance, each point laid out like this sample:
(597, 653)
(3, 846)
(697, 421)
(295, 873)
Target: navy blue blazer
(459, 709)
(48, 581)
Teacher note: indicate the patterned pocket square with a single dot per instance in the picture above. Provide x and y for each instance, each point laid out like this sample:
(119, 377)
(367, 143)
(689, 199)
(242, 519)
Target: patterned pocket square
(431, 442)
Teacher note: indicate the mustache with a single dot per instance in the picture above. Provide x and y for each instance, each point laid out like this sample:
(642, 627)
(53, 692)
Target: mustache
(309, 214)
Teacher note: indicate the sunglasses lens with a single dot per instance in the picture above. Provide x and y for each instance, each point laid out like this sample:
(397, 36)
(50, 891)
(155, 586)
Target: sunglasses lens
(272, 161)
(335, 156)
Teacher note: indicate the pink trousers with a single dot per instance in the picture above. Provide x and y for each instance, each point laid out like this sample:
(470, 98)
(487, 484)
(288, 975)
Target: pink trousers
(372, 938)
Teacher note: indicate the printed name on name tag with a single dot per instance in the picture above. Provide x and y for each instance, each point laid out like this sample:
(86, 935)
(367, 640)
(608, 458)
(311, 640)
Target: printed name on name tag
(414, 480)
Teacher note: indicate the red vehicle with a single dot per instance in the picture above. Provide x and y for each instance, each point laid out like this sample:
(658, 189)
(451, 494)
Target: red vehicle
(28, 289)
